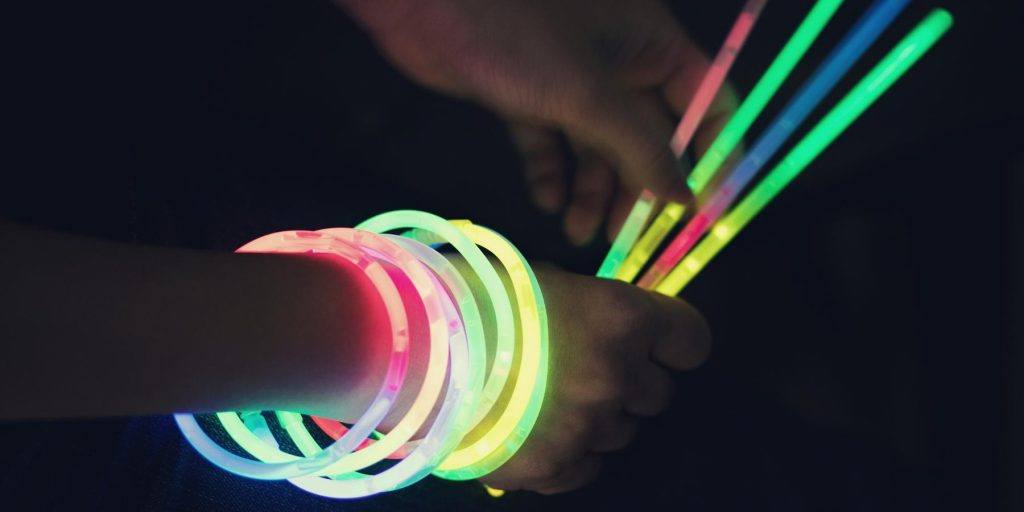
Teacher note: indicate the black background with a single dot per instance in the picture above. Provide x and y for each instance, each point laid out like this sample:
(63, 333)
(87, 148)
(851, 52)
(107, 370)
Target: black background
(863, 322)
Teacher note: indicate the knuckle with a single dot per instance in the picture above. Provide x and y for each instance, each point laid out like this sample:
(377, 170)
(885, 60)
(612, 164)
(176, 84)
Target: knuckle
(630, 312)
(608, 384)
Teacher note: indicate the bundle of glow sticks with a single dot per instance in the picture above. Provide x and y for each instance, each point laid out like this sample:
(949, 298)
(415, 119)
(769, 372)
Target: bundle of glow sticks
(459, 391)
(400, 267)
(677, 264)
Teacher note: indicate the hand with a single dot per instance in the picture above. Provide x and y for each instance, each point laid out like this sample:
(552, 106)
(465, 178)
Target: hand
(613, 347)
(611, 77)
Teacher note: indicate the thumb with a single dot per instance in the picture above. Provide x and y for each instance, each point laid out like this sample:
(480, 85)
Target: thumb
(633, 132)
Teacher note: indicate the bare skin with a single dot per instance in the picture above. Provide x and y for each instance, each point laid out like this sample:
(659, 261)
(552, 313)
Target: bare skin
(610, 77)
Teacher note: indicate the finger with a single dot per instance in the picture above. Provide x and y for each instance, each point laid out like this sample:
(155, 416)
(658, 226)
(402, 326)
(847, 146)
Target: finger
(664, 49)
(653, 64)
(591, 191)
(621, 206)
(633, 134)
(679, 90)
(574, 476)
(651, 391)
(544, 164)
(682, 339)
(614, 433)
(680, 86)
(717, 116)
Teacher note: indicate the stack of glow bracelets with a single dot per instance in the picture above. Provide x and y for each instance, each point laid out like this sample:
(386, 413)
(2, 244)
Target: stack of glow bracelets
(457, 359)
(458, 388)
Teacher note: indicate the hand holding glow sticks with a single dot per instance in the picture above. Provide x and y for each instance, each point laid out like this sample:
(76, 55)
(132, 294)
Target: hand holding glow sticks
(694, 114)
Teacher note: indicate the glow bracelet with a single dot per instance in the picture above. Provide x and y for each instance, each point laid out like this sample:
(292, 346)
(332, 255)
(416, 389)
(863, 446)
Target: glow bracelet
(355, 485)
(733, 132)
(465, 306)
(440, 338)
(502, 439)
(274, 464)
(448, 428)
(867, 29)
(430, 229)
(863, 95)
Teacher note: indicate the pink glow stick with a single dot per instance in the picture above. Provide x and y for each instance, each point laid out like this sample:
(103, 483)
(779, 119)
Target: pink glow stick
(715, 77)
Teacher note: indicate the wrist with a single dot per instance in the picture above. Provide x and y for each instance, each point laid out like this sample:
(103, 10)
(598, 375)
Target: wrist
(331, 330)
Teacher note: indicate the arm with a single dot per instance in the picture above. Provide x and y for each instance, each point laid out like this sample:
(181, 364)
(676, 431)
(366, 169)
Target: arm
(93, 328)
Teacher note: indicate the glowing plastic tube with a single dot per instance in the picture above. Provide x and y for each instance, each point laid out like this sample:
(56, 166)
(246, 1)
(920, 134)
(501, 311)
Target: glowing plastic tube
(465, 306)
(762, 93)
(715, 76)
(836, 65)
(441, 337)
(274, 464)
(733, 132)
(908, 51)
(630, 231)
(650, 241)
(504, 438)
(448, 428)
(431, 229)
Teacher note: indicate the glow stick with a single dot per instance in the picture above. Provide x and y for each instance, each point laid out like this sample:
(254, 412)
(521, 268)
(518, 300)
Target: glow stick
(733, 132)
(650, 241)
(863, 95)
(867, 29)
(715, 76)
(429, 229)
(695, 111)
(628, 234)
(776, 74)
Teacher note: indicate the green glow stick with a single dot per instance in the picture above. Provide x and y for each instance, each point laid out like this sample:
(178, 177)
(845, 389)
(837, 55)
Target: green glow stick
(762, 93)
(650, 241)
(733, 133)
(907, 52)
(630, 231)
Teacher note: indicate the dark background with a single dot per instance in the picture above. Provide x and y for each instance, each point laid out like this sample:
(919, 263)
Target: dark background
(863, 322)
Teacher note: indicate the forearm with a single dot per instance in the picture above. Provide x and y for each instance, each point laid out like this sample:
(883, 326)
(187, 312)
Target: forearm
(97, 328)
